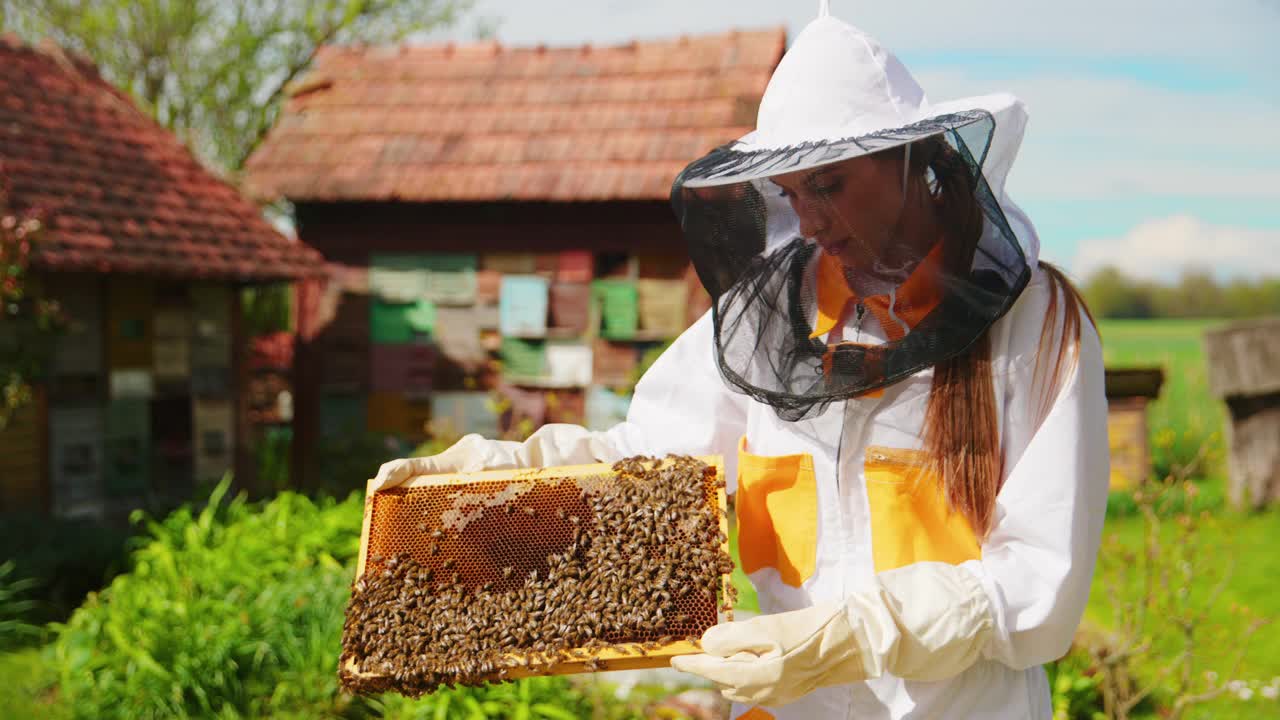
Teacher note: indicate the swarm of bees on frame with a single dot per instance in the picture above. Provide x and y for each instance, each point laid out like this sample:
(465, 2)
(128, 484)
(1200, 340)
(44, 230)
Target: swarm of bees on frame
(640, 566)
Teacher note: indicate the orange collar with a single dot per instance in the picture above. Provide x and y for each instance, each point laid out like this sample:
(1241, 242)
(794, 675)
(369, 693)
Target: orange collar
(914, 299)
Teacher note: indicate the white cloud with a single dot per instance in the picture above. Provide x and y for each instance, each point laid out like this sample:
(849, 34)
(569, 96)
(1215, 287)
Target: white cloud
(1162, 249)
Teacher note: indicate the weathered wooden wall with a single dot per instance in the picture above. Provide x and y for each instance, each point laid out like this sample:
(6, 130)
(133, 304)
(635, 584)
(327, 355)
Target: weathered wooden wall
(1244, 358)
(353, 233)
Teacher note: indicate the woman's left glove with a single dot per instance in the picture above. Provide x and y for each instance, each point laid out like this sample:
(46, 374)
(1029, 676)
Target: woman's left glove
(926, 621)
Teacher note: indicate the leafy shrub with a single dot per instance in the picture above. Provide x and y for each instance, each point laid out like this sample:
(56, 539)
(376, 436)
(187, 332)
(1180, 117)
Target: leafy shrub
(1168, 641)
(1074, 685)
(29, 688)
(1206, 495)
(15, 608)
(1183, 443)
(543, 698)
(233, 610)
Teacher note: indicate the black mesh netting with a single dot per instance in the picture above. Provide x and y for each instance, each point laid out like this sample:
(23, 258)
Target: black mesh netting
(746, 247)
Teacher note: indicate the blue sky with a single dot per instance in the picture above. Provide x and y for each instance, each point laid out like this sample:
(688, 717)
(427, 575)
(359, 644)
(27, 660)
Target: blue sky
(1154, 140)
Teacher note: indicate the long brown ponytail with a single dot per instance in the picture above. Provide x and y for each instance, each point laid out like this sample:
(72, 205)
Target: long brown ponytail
(961, 425)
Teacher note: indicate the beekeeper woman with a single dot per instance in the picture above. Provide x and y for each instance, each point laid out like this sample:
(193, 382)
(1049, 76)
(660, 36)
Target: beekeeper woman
(912, 405)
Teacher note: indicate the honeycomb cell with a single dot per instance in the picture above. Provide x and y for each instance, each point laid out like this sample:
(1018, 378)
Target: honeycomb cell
(468, 579)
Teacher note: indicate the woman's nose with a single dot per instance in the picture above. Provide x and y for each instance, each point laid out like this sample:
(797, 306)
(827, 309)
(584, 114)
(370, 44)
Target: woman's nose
(813, 219)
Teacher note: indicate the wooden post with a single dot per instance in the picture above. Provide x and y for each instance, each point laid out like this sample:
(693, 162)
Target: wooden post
(1244, 371)
(303, 473)
(244, 468)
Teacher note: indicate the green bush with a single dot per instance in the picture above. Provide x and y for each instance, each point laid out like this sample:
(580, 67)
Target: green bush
(29, 689)
(544, 698)
(1075, 688)
(15, 608)
(65, 559)
(234, 610)
(1207, 495)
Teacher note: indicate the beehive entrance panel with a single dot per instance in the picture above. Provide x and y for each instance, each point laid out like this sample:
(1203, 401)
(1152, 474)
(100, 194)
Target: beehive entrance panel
(605, 569)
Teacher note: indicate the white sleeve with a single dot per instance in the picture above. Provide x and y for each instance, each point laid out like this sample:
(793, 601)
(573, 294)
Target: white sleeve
(1037, 562)
(682, 404)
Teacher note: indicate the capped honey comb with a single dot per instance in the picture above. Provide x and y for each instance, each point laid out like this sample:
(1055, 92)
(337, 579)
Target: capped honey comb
(466, 578)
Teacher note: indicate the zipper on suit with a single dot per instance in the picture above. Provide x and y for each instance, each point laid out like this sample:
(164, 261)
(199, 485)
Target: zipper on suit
(840, 500)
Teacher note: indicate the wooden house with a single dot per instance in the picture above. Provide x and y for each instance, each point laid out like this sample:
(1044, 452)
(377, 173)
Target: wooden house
(494, 218)
(146, 251)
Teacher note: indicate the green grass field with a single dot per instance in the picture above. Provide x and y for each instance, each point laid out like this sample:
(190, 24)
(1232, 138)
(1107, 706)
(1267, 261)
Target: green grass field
(1241, 544)
(1237, 547)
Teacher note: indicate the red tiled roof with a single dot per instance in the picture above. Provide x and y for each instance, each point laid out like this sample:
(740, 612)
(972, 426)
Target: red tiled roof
(122, 193)
(485, 122)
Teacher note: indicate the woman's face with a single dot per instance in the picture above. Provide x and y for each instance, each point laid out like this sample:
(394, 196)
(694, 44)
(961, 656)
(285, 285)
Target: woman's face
(852, 210)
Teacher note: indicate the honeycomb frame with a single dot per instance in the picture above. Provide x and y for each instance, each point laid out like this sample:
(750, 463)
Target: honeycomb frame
(583, 660)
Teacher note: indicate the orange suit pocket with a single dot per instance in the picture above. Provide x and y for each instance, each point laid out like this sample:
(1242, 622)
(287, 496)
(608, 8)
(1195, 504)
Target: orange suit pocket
(777, 511)
(911, 520)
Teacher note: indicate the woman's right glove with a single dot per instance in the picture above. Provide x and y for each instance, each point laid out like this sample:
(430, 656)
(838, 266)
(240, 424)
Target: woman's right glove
(924, 621)
(556, 444)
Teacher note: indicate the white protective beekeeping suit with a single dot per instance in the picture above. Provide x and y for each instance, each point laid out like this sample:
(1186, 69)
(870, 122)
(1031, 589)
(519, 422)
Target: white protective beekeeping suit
(877, 600)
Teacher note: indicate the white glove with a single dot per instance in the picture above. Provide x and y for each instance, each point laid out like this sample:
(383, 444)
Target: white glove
(551, 445)
(926, 621)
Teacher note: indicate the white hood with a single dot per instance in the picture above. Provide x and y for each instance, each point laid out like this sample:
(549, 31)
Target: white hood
(837, 83)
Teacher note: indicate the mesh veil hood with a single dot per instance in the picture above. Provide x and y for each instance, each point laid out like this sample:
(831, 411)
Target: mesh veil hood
(836, 95)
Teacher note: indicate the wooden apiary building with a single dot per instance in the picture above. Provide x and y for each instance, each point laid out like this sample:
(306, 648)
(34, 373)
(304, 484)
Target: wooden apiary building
(494, 219)
(145, 251)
